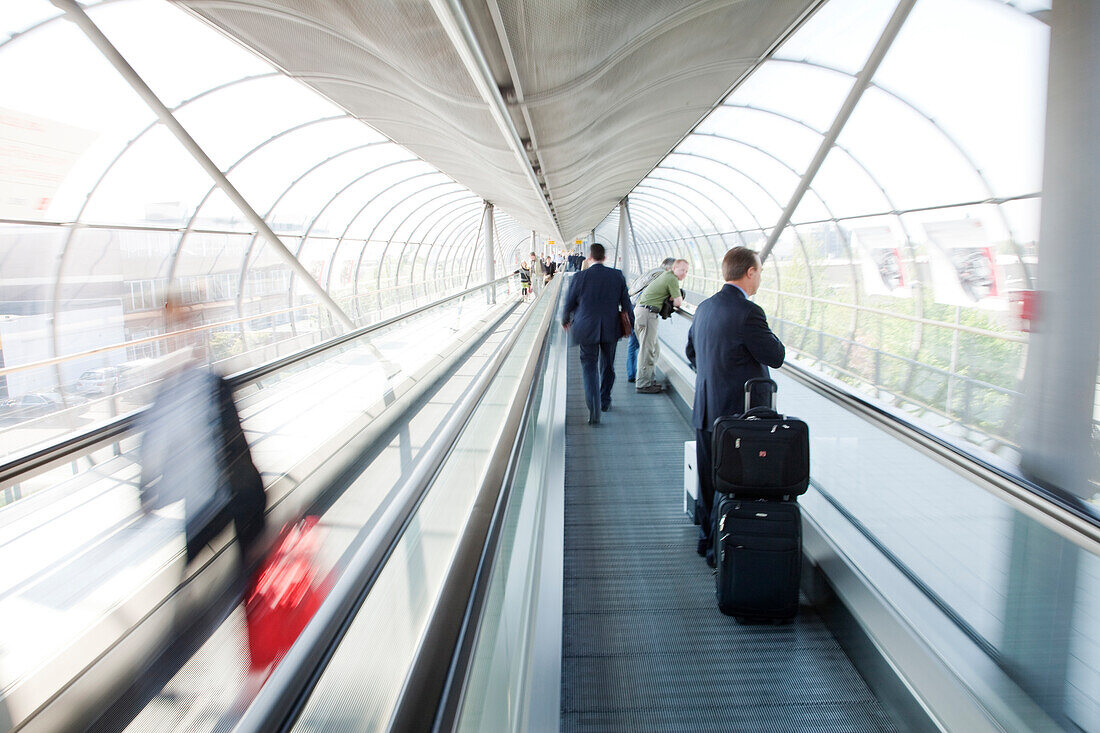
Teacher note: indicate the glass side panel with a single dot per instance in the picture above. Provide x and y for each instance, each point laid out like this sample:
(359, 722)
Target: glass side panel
(803, 92)
(177, 55)
(89, 553)
(841, 34)
(985, 85)
(366, 674)
(269, 171)
(908, 155)
(20, 15)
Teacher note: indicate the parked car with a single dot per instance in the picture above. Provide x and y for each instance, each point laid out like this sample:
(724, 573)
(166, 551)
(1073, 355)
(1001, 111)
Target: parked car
(36, 404)
(104, 380)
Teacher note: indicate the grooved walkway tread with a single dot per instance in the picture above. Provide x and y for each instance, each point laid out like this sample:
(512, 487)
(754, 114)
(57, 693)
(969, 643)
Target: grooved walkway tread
(644, 647)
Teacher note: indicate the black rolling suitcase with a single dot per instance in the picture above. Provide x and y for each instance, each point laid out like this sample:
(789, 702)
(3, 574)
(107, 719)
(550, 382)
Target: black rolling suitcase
(758, 548)
(761, 464)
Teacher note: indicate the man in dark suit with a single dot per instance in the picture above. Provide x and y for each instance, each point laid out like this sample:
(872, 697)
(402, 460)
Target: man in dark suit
(596, 297)
(729, 343)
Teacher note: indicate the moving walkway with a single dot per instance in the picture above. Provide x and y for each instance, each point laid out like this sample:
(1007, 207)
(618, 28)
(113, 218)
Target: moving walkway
(505, 567)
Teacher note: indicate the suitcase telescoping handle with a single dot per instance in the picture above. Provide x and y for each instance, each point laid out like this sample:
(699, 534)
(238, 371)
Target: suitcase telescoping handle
(773, 389)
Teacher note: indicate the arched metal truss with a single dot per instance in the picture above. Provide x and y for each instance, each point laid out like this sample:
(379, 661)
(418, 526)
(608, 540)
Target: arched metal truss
(684, 198)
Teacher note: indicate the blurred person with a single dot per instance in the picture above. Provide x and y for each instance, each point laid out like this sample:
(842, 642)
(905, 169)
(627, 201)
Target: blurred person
(593, 314)
(657, 300)
(197, 470)
(538, 272)
(729, 342)
(640, 283)
(193, 450)
(524, 271)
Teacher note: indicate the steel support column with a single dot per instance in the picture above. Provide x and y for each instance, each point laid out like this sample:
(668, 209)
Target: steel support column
(1058, 445)
(624, 245)
(488, 228)
(1060, 381)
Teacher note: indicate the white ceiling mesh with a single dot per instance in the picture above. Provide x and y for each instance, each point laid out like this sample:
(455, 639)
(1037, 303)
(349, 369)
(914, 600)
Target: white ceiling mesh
(608, 88)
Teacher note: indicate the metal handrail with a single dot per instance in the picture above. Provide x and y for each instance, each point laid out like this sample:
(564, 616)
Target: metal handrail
(256, 373)
(43, 458)
(449, 632)
(283, 696)
(1015, 338)
(196, 329)
(1011, 337)
(964, 380)
(1053, 508)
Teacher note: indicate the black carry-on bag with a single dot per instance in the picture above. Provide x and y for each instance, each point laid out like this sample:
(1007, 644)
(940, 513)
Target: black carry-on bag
(760, 453)
(761, 464)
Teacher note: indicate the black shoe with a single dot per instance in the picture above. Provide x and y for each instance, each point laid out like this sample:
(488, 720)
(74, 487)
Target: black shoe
(710, 560)
(630, 379)
(651, 389)
(701, 548)
(606, 408)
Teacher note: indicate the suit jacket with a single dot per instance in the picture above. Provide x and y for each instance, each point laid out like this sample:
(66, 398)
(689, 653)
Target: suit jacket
(592, 305)
(729, 343)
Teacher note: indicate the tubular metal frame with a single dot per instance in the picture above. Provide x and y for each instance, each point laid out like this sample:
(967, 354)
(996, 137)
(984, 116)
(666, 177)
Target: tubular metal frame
(705, 265)
(952, 141)
(423, 240)
(698, 253)
(61, 452)
(408, 239)
(432, 236)
(396, 206)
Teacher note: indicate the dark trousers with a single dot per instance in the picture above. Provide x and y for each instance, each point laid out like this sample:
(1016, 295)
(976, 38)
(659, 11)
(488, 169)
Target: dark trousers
(597, 383)
(704, 506)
